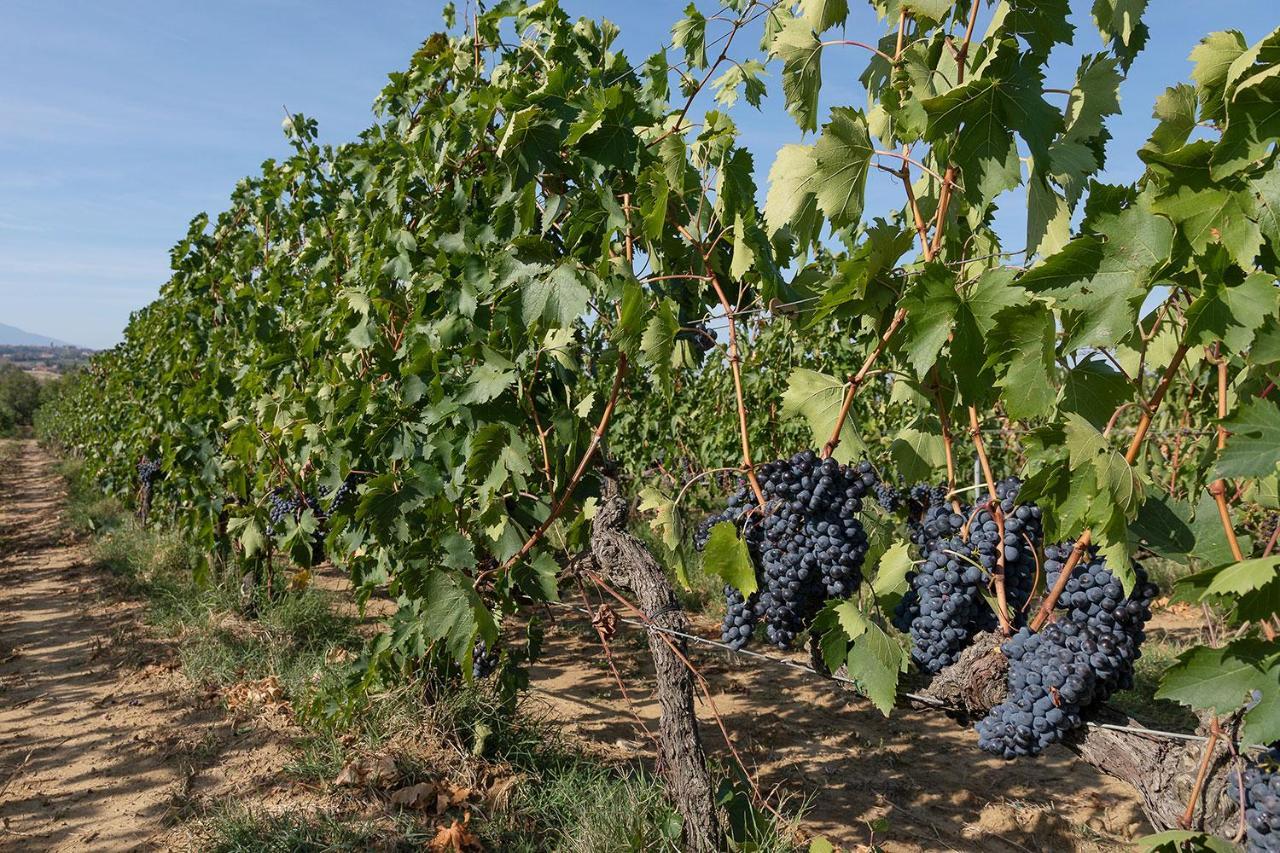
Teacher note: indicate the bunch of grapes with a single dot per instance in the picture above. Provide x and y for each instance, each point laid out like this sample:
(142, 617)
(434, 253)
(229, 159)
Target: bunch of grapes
(288, 503)
(807, 544)
(1022, 535)
(943, 607)
(148, 471)
(346, 491)
(702, 338)
(484, 660)
(1055, 676)
(1261, 801)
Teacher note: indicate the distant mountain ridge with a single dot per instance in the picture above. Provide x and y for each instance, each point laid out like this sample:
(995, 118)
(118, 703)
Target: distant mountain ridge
(12, 336)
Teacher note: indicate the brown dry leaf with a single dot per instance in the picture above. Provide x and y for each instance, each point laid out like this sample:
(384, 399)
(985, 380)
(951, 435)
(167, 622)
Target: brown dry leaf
(456, 838)
(337, 655)
(376, 771)
(265, 693)
(456, 795)
(419, 796)
(498, 797)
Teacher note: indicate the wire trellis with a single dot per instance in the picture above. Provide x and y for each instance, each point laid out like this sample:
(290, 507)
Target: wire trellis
(1157, 734)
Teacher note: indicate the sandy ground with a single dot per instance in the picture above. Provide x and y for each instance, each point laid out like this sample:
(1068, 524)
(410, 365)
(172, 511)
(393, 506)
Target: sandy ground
(104, 746)
(811, 740)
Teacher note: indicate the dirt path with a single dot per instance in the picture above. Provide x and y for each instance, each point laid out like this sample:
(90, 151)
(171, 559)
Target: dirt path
(79, 761)
(100, 740)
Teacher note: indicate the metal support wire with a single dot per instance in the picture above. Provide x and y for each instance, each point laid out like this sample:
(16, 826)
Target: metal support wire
(915, 697)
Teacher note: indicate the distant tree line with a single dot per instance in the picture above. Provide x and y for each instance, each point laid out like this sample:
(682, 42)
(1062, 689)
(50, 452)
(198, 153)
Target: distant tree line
(20, 396)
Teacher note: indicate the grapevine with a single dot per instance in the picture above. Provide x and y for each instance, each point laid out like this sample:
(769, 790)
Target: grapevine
(513, 275)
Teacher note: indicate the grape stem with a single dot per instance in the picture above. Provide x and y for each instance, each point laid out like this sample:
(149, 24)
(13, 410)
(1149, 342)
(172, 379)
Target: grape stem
(945, 419)
(1130, 456)
(735, 366)
(1201, 774)
(1002, 601)
(855, 382)
(557, 508)
(1218, 488)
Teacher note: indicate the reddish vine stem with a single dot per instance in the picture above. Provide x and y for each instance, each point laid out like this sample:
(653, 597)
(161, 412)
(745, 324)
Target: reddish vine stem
(735, 367)
(948, 450)
(597, 436)
(855, 382)
(1130, 456)
(1218, 488)
(1201, 774)
(1002, 601)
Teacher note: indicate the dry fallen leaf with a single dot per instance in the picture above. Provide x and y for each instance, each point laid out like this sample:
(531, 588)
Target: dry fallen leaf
(375, 771)
(337, 655)
(456, 838)
(419, 796)
(265, 693)
(498, 797)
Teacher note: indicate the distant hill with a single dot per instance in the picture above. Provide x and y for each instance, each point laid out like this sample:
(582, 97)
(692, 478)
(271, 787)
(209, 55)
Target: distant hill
(12, 336)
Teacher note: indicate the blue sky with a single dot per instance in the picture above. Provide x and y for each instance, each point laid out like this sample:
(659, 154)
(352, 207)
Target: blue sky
(120, 121)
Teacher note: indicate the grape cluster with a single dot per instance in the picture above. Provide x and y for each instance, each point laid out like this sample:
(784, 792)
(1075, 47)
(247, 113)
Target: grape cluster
(1074, 663)
(1261, 801)
(346, 490)
(148, 471)
(484, 660)
(807, 545)
(699, 335)
(1022, 535)
(889, 498)
(287, 503)
(943, 607)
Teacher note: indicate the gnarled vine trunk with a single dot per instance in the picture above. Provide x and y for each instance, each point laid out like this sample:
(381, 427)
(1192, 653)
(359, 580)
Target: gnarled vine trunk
(624, 560)
(1162, 771)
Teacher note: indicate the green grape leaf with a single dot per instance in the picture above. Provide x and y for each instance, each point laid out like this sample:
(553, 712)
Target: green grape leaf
(931, 304)
(1253, 449)
(891, 571)
(558, 298)
(1028, 335)
(690, 33)
(822, 15)
(841, 160)
(1119, 22)
(1213, 58)
(1216, 679)
(1232, 314)
(726, 556)
(817, 398)
(917, 454)
(792, 198)
(1175, 112)
(801, 53)
(874, 664)
(1178, 840)
(1163, 525)
(1093, 389)
(1243, 577)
